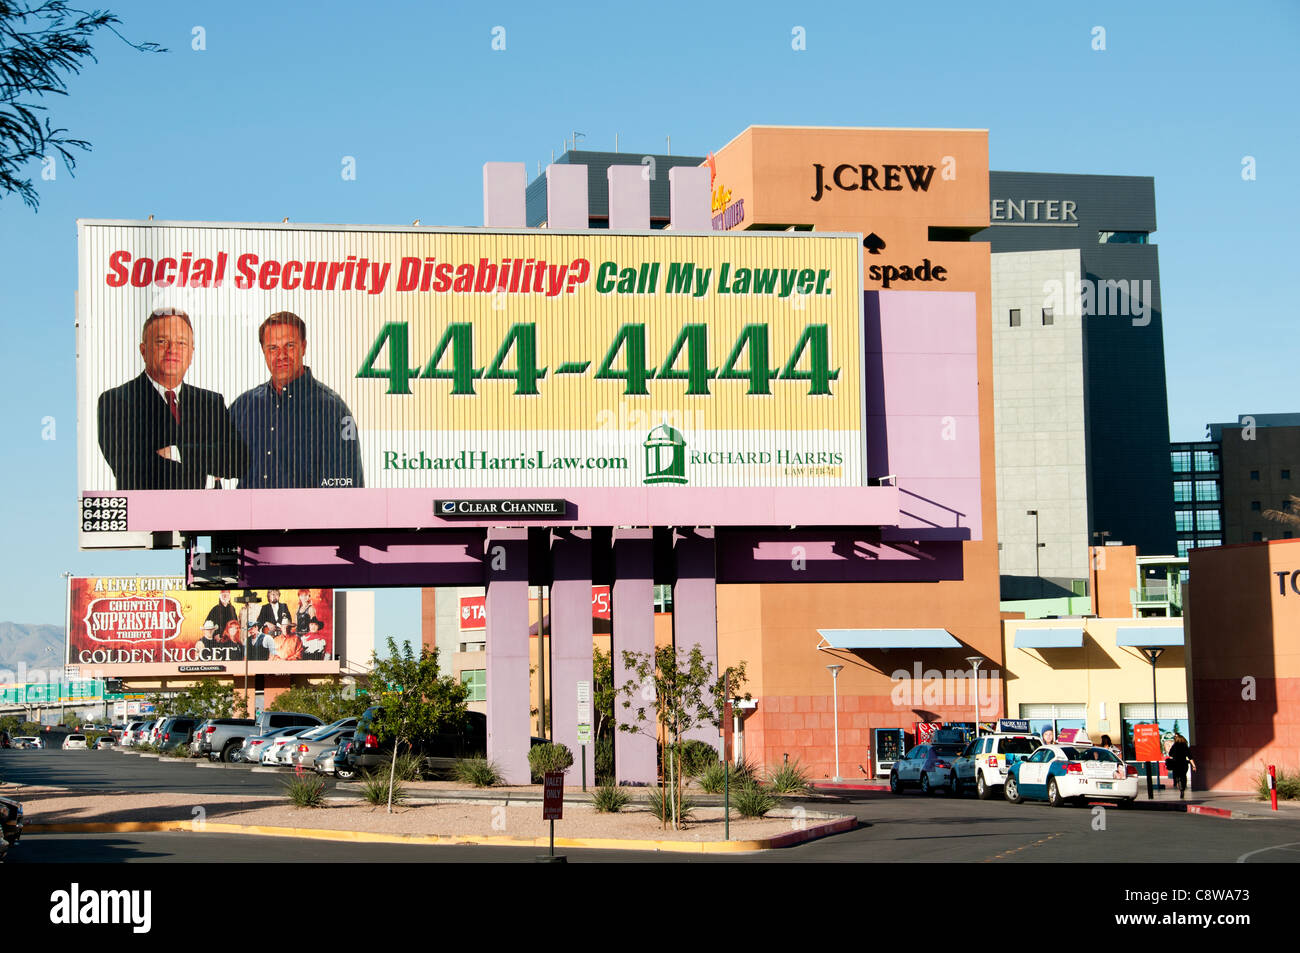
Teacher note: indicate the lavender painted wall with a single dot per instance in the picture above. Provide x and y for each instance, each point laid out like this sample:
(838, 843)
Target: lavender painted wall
(690, 201)
(923, 406)
(566, 196)
(633, 631)
(505, 573)
(505, 185)
(570, 634)
(629, 197)
(695, 605)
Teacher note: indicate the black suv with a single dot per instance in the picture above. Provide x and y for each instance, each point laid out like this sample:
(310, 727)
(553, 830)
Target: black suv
(439, 751)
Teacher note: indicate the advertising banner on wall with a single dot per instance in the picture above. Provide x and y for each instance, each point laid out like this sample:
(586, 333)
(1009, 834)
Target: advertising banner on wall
(123, 624)
(253, 360)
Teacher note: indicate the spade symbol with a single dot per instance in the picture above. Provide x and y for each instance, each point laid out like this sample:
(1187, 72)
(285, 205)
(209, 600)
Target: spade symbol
(873, 243)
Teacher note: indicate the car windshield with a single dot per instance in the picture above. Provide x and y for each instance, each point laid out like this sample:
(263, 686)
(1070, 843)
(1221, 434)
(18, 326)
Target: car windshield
(312, 734)
(947, 751)
(76, 737)
(1020, 745)
(1090, 754)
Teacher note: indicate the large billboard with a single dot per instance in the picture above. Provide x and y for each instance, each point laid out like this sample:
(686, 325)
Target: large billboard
(155, 626)
(526, 364)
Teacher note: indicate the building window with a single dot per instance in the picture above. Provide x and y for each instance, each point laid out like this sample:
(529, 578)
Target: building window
(1047, 317)
(1183, 491)
(1286, 474)
(1015, 317)
(1122, 238)
(1181, 460)
(1209, 541)
(1207, 491)
(1053, 718)
(1286, 534)
(476, 681)
(1184, 520)
(1207, 461)
(1257, 537)
(1208, 520)
(1172, 721)
(1254, 474)
(1254, 506)
(1185, 546)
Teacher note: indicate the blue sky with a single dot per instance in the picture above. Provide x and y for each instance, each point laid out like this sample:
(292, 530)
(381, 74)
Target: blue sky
(255, 127)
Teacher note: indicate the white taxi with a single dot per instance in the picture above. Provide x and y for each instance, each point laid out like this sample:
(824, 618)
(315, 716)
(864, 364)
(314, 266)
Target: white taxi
(1061, 774)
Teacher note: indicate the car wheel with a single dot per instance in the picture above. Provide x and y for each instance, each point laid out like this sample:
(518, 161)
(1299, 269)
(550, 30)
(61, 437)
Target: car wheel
(954, 784)
(344, 774)
(230, 753)
(1054, 794)
(925, 783)
(982, 788)
(895, 785)
(1011, 790)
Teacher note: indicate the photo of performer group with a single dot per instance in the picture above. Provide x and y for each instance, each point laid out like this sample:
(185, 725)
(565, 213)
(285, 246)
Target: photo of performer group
(158, 432)
(276, 634)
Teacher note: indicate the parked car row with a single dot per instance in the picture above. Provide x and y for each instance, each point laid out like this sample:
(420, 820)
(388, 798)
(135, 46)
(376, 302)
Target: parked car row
(11, 824)
(1019, 767)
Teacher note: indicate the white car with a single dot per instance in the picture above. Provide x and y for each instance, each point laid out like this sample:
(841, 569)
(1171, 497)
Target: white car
(986, 760)
(1061, 774)
(75, 741)
(279, 750)
(27, 741)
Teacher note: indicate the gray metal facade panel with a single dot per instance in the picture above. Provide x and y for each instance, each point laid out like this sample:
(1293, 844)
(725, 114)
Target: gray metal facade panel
(1130, 490)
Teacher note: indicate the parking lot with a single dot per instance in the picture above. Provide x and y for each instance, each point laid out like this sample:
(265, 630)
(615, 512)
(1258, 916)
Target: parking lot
(910, 827)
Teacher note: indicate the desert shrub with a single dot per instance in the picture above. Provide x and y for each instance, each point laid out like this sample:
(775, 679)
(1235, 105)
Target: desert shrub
(477, 771)
(610, 799)
(752, 801)
(692, 757)
(374, 788)
(1288, 785)
(791, 778)
(660, 803)
(306, 790)
(410, 767)
(711, 780)
(552, 757)
(180, 751)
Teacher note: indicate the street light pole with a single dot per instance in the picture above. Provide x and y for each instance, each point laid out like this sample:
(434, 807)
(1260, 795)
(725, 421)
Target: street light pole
(975, 675)
(1038, 575)
(835, 694)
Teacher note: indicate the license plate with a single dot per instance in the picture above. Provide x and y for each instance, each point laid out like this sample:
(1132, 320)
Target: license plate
(1105, 785)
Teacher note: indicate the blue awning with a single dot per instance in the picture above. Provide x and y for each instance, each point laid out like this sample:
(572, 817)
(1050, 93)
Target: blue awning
(1143, 636)
(888, 639)
(1053, 638)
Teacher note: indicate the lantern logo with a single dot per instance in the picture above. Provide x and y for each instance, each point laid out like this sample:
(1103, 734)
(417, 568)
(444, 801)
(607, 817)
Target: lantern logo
(665, 456)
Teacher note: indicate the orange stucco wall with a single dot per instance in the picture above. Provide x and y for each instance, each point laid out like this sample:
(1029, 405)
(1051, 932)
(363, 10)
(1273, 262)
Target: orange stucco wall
(1243, 640)
(1114, 570)
(773, 627)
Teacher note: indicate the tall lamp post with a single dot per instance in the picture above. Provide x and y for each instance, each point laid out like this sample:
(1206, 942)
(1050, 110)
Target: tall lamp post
(1038, 576)
(67, 641)
(1152, 653)
(835, 694)
(974, 661)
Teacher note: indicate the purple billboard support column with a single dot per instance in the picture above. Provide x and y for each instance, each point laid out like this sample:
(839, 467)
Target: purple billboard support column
(505, 185)
(571, 639)
(566, 196)
(629, 197)
(505, 564)
(633, 615)
(695, 605)
(690, 203)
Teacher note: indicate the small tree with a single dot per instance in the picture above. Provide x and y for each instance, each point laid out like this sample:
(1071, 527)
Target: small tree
(328, 702)
(209, 699)
(415, 701)
(687, 694)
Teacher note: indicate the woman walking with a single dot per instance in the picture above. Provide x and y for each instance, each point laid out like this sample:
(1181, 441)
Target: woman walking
(1180, 757)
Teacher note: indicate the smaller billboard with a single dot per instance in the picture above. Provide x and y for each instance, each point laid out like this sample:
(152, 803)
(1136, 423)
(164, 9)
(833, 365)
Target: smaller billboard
(121, 624)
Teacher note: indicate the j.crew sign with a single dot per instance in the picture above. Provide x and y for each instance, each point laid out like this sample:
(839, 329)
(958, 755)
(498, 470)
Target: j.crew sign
(862, 176)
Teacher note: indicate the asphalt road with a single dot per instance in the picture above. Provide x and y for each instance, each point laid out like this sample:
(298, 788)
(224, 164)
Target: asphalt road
(911, 827)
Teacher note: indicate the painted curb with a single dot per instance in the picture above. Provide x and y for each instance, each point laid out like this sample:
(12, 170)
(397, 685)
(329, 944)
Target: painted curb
(484, 840)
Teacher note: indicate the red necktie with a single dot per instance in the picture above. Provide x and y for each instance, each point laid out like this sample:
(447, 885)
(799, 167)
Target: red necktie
(171, 405)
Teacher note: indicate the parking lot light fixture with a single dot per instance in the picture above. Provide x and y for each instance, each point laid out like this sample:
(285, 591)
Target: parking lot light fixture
(835, 694)
(974, 661)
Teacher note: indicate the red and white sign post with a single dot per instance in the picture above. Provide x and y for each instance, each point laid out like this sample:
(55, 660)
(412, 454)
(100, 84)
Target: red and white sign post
(553, 809)
(1272, 785)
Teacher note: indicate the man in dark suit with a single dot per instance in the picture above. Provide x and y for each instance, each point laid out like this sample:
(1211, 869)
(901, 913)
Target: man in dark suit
(159, 434)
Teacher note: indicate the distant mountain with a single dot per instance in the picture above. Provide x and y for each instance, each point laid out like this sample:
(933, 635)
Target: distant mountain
(28, 644)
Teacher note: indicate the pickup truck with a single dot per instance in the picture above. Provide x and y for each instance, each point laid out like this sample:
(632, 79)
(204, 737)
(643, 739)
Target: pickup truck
(222, 737)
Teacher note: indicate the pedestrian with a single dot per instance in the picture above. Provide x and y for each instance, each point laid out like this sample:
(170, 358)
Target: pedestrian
(1180, 758)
